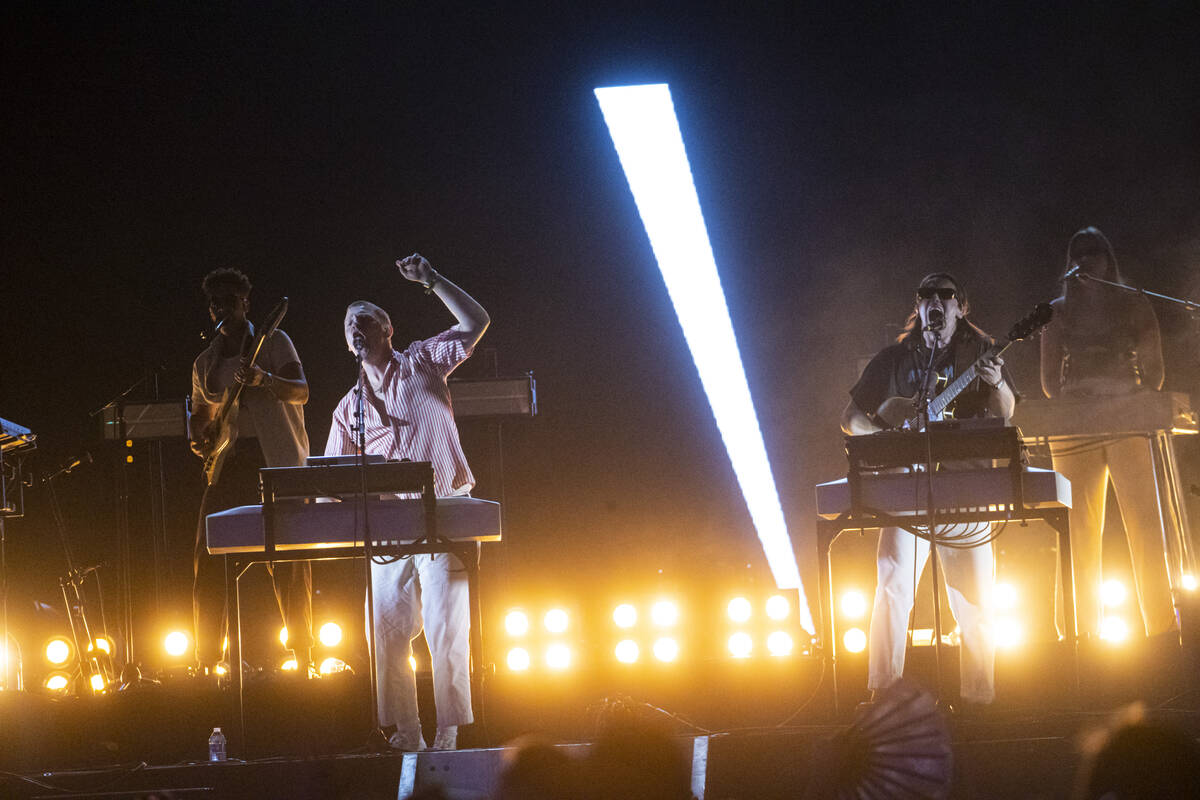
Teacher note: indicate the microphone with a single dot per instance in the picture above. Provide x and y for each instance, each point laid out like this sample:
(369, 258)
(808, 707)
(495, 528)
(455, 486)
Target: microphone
(937, 319)
(1073, 272)
(360, 344)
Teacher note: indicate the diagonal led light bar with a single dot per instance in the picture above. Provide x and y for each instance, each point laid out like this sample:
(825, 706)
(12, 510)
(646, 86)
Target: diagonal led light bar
(642, 123)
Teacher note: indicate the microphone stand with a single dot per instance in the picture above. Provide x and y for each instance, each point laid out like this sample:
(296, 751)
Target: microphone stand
(1192, 306)
(928, 379)
(375, 741)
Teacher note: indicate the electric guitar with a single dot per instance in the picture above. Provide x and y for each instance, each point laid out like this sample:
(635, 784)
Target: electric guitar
(902, 412)
(223, 427)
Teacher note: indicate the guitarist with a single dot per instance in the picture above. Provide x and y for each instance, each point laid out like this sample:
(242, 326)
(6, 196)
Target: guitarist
(937, 333)
(269, 431)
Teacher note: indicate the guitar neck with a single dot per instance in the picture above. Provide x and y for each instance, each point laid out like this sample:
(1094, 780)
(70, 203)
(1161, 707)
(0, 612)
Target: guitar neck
(938, 404)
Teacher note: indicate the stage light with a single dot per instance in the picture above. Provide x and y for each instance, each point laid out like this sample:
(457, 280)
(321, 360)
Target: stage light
(516, 622)
(1114, 630)
(778, 607)
(283, 636)
(1112, 593)
(666, 649)
(779, 643)
(739, 609)
(330, 634)
(625, 616)
(1008, 633)
(1189, 581)
(664, 613)
(102, 644)
(97, 682)
(854, 640)
(57, 681)
(412, 663)
(518, 659)
(332, 664)
(558, 656)
(555, 620)
(290, 665)
(741, 645)
(176, 643)
(58, 651)
(1004, 598)
(645, 132)
(627, 651)
(854, 604)
(219, 669)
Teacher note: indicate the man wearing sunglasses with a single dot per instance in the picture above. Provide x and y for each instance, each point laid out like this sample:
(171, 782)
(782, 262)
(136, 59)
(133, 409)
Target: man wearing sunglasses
(270, 432)
(937, 343)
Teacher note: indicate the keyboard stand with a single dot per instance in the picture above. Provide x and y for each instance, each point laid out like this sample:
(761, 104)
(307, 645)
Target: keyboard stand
(828, 531)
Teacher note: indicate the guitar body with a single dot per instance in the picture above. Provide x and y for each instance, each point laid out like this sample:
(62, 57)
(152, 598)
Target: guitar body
(224, 425)
(900, 413)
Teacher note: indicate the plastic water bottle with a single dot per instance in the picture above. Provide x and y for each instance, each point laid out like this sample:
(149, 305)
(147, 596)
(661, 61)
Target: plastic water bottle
(216, 745)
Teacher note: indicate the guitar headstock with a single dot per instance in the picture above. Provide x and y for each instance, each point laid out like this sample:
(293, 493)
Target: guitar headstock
(1031, 323)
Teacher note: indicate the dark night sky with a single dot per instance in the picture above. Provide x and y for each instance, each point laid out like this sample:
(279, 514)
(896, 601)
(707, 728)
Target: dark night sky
(839, 156)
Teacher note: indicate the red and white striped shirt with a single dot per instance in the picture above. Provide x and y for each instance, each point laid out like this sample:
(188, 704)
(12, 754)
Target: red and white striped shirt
(411, 416)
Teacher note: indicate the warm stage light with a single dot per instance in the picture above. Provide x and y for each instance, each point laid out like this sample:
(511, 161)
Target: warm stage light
(331, 665)
(739, 609)
(412, 663)
(627, 651)
(1008, 633)
(1112, 593)
(516, 623)
(645, 132)
(97, 682)
(219, 669)
(625, 616)
(778, 607)
(664, 613)
(57, 681)
(102, 644)
(558, 656)
(741, 645)
(854, 640)
(518, 659)
(58, 650)
(555, 620)
(330, 634)
(666, 649)
(289, 665)
(283, 636)
(854, 604)
(1004, 597)
(1189, 581)
(176, 643)
(779, 643)
(1114, 630)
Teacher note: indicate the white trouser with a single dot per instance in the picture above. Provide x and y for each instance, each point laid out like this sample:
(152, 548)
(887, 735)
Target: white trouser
(970, 578)
(431, 589)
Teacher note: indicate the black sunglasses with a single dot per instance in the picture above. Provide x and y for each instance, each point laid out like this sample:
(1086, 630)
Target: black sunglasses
(945, 293)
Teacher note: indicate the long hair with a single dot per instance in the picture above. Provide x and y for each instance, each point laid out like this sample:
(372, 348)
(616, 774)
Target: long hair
(912, 325)
(1090, 232)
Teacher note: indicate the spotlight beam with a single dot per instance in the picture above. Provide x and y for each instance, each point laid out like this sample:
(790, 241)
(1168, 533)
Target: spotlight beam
(645, 132)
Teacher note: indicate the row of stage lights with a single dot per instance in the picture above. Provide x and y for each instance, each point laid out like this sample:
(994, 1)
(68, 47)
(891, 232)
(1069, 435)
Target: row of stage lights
(59, 653)
(662, 634)
(1009, 630)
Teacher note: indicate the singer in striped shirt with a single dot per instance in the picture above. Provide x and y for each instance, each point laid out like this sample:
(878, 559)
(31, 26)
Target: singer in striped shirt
(407, 414)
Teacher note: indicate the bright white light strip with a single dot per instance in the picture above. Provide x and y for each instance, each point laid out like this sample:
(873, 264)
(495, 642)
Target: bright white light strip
(642, 123)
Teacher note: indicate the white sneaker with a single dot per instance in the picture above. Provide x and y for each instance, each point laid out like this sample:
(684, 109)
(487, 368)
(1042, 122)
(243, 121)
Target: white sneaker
(446, 738)
(407, 741)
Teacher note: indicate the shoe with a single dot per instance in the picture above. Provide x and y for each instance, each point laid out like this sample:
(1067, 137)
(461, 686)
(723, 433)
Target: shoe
(446, 738)
(407, 741)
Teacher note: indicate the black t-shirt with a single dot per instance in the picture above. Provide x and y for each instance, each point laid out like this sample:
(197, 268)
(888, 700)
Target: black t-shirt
(895, 371)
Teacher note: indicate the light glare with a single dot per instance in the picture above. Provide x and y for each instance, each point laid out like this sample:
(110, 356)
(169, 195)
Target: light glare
(58, 651)
(176, 643)
(645, 132)
(854, 604)
(1005, 597)
(516, 623)
(666, 649)
(283, 636)
(290, 665)
(1189, 582)
(558, 656)
(854, 640)
(778, 607)
(664, 613)
(739, 609)
(57, 682)
(1114, 630)
(97, 682)
(330, 634)
(1112, 593)
(741, 645)
(518, 659)
(627, 651)
(331, 665)
(625, 616)
(1009, 633)
(556, 620)
(779, 643)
